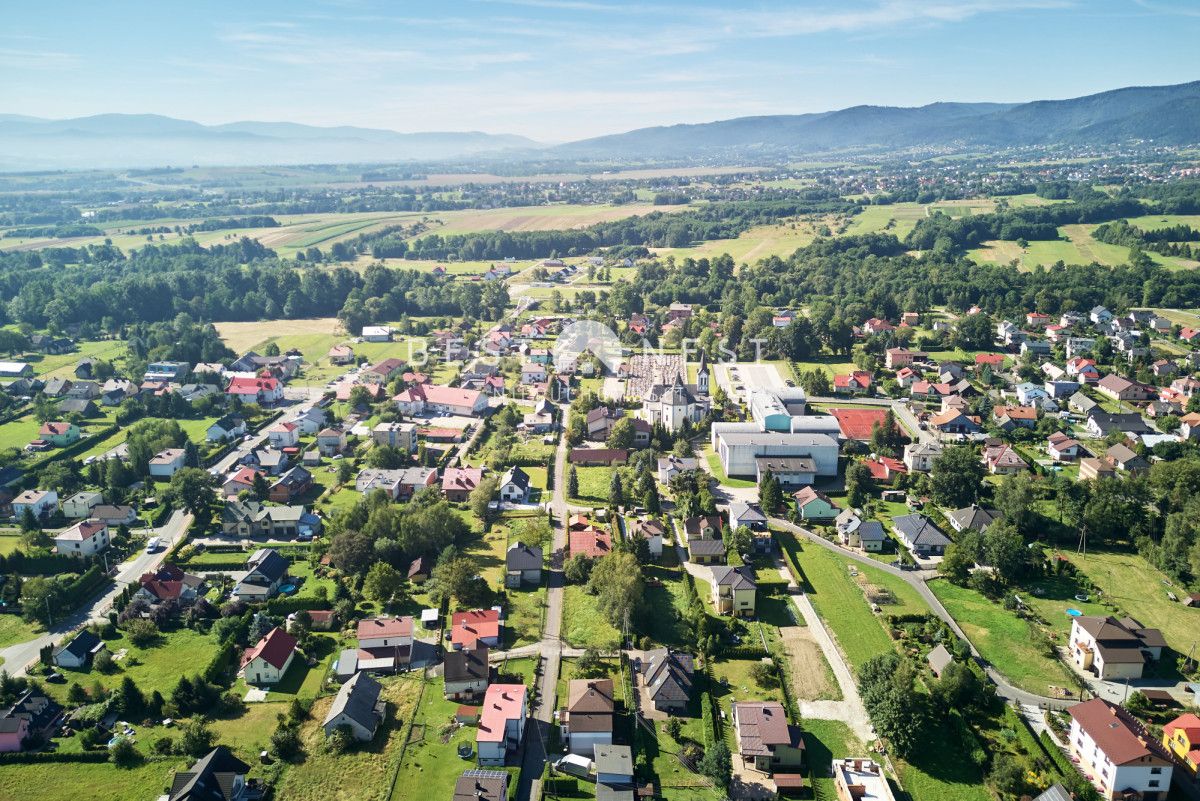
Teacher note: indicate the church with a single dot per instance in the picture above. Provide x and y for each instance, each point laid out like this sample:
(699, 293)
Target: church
(671, 404)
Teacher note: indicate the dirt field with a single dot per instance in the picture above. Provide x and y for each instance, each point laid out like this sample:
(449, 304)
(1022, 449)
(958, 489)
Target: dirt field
(810, 675)
(244, 336)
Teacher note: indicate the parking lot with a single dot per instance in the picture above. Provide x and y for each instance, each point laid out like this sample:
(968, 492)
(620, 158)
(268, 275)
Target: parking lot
(739, 379)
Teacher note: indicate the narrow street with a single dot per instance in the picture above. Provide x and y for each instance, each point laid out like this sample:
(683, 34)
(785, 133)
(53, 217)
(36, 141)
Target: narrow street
(17, 657)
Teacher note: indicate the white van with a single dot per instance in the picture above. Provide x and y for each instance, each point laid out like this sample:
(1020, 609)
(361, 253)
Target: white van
(152, 545)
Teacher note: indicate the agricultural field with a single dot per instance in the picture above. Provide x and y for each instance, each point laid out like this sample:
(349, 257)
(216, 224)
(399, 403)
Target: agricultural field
(759, 242)
(1076, 247)
(897, 218)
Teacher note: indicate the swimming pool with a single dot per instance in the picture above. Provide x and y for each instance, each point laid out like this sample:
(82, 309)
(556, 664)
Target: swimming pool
(1074, 612)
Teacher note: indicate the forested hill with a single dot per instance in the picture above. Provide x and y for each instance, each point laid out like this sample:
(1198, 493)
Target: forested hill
(1163, 114)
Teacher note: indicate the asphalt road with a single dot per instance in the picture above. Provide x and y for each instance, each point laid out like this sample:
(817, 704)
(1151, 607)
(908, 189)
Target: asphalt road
(17, 657)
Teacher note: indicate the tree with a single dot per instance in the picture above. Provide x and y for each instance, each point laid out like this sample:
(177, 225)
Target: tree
(616, 490)
(1004, 549)
(578, 568)
(957, 477)
(741, 540)
(285, 742)
(956, 564)
(345, 470)
(41, 598)
(457, 578)
(480, 499)
(973, 332)
(194, 490)
(886, 437)
(262, 489)
(674, 728)
(128, 700)
(572, 487)
(124, 754)
(858, 484)
(770, 493)
(1013, 498)
(717, 764)
(621, 434)
(617, 583)
(141, 632)
(382, 582)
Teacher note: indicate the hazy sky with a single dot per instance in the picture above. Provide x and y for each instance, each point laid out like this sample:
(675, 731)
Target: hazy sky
(562, 69)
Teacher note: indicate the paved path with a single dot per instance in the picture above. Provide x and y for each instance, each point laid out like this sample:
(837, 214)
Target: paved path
(917, 579)
(17, 657)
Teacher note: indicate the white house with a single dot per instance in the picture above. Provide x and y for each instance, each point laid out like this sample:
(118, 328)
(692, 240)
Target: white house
(533, 374)
(386, 632)
(270, 658)
(1117, 753)
(920, 456)
(226, 428)
(311, 420)
(79, 651)
(85, 538)
(376, 333)
(501, 723)
(588, 719)
(1113, 649)
(514, 485)
(437, 399)
(167, 463)
(283, 435)
(42, 503)
(359, 707)
(81, 504)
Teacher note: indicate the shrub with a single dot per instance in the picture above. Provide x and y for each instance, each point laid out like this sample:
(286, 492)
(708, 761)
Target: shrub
(125, 755)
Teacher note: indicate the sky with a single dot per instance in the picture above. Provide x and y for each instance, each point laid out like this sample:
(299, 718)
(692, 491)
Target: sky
(557, 70)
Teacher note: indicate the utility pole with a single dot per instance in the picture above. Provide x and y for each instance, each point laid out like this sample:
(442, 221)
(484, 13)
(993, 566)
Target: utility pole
(49, 618)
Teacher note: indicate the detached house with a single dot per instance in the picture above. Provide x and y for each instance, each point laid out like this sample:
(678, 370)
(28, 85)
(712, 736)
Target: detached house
(475, 627)
(514, 485)
(765, 739)
(587, 721)
(359, 707)
(283, 435)
(501, 723)
(667, 677)
(79, 651)
(1113, 649)
(167, 463)
(267, 569)
(459, 482)
(734, 591)
(1116, 752)
(1002, 460)
(920, 456)
(1062, 448)
(920, 535)
(226, 428)
(85, 538)
(466, 673)
(262, 391)
(269, 659)
(168, 583)
(523, 565)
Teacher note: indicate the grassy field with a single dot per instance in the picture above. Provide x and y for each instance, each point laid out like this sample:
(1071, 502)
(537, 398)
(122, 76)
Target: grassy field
(898, 218)
(582, 625)
(593, 486)
(1141, 591)
(733, 683)
(826, 740)
(714, 466)
(841, 603)
(158, 667)
(1003, 638)
(759, 242)
(307, 335)
(365, 773)
(51, 781)
(1077, 246)
(942, 772)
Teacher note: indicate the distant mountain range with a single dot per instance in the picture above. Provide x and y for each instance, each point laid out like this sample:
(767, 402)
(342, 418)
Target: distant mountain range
(1164, 114)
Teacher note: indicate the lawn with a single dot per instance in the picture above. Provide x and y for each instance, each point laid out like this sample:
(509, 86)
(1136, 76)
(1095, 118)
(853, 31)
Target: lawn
(714, 465)
(1003, 638)
(102, 781)
(524, 615)
(364, 774)
(841, 603)
(732, 682)
(896, 218)
(832, 365)
(826, 740)
(1141, 591)
(940, 771)
(14, 629)
(666, 594)
(180, 652)
(570, 670)
(593, 486)
(582, 625)
(431, 761)
(249, 733)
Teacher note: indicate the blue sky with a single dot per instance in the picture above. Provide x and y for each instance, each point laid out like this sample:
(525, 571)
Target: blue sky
(562, 69)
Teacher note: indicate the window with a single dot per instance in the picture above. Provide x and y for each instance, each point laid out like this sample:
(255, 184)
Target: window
(1155, 771)
(1154, 782)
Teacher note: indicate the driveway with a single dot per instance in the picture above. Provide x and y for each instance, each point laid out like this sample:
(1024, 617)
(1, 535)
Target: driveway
(749, 784)
(16, 657)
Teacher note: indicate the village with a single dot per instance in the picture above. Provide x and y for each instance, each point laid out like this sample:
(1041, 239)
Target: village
(515, 571)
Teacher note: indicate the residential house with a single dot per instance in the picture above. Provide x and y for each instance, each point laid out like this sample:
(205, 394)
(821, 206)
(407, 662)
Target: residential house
(16, 370)
(384, 372)
(1081, 403)
(814, 505)
(340, 355)
(1116, 752)
(59, 433)
(402, 436)
(85, 538)
(1035, 348)
(376, 333)
(920, 456)
(441, 400)
(953, 421)
(614, 773)
(667, 676)
(501, 723)
(1113, 649)
(765, 740)
(1002, 460)
(459, 482)
(226, 428)
(266, 570)
(734, 591)
(587, 720)
(283, 435)
(240, 480)
(1099, 315)
(481, 785)
(1092, 469)
(938, 660)
(113, 516)
(523, 565)
(1009, 417)
(251, 519)
(79, 406)
(877, 326)
(745, 514)
(920, 535)
(31, 718)
(475, 627)
(168, 583)
(1123, 458)
(514, 485)
(42, 503)
(172, 372)
(1101, 423)
(1122, 389)
(649, 529)
(311, 420)
(972, 518)
(81, 504)
(1182, 737)
(1062, 447)
(895, 358)
(1029, 393)
(387, 637)
(855, 383)
(79, 651)
(269, 659)
(168, 462)
(292, 484)
(331, 442)
(589, 541)
(358, 707)
(252, 389)
(466, 673)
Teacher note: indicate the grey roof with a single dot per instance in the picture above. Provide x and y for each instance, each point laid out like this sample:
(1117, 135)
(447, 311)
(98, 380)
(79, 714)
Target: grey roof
(609, 792)
(481, 785)
(799, 440)
(712, 547)
(939, 658)
(973, 517)
(523, 557)
(358, 699)
(614, 759)
(268, 563)
(515, 475)
(1128, 422)
(918, 530)
(1056, 792)
(668, 674)
(871, 531)
(785, 464)
(740, 510)
(469, 664)
(81, 645)
(735, 577)
(210, 779)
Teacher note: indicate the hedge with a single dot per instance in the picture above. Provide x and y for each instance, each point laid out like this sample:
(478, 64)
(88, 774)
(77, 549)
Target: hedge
(1056, 755)
(217, 671)
(30, 757)
(162, 515)
(706, 711)
(81, 588)
(297, 603)
(745, 652)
